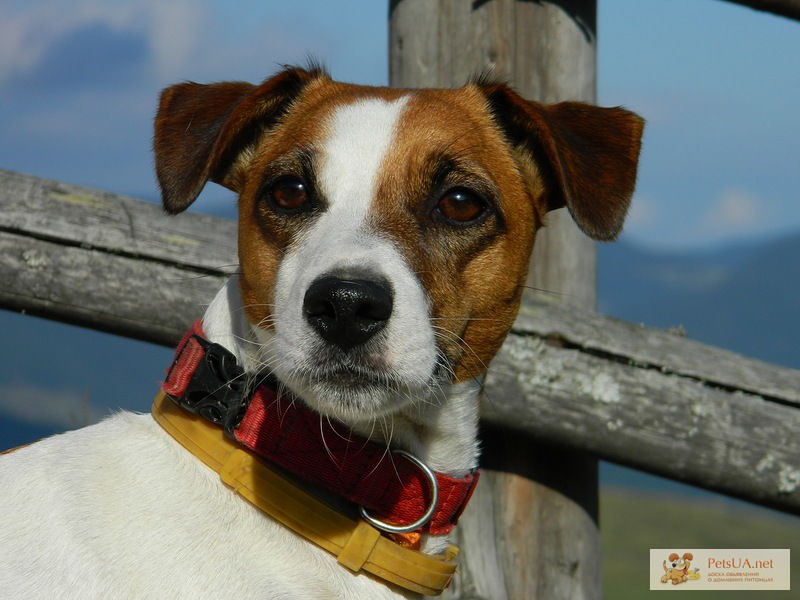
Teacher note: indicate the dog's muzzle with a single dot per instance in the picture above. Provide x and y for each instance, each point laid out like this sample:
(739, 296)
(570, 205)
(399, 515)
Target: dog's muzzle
(347, 312)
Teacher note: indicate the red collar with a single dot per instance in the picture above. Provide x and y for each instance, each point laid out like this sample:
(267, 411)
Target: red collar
(288, 434)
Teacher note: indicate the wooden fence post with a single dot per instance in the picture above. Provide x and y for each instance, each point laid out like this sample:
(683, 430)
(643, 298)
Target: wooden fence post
(531, 531)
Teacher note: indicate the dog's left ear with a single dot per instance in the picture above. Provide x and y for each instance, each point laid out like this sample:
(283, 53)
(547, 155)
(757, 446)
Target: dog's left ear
(201, 129)
(587, 154)
(688, 556)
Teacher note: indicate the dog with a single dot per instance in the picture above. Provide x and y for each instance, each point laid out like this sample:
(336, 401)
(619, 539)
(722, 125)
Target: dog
(678, 569)
(384, 239)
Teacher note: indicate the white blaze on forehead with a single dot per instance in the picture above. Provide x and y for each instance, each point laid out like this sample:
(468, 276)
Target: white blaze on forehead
(339, 242)
(359, 137)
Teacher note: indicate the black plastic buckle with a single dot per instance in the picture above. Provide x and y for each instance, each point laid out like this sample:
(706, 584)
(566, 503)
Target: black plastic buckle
(216, 390)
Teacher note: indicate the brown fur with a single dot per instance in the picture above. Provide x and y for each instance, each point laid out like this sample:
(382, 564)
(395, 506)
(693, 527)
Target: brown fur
(200, 129)
(474, 305)
(524, 157)
(589, 155)
(677, 576)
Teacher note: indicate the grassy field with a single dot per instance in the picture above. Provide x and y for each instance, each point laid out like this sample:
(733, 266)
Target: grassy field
(632, 522)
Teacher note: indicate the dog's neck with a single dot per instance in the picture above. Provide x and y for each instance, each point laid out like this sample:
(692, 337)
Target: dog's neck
(440, 429)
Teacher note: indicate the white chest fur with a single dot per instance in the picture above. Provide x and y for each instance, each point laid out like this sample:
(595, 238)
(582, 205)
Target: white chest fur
(120, 510)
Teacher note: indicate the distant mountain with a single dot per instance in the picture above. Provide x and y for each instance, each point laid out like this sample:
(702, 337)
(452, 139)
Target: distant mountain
(742, 297)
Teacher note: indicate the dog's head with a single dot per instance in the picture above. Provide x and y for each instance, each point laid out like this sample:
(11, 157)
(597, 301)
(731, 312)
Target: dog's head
(384, 234)
(680, 563)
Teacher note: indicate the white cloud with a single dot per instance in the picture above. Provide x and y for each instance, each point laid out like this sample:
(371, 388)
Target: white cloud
(25, 35)
(28, 30)
(184, 39)
(736, 212)
(174, 31)
(36, 404)
(643, 212)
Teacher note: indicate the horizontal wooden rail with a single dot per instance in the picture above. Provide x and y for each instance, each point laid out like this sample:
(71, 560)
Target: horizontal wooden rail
(639, 397)
(108, 262)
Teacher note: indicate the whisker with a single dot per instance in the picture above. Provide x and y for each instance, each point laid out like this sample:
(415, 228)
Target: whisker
(460, 342)
(325, 443)
(546, 291)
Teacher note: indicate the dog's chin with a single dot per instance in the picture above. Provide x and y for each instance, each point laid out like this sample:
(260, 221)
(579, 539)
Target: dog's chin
(353, 396)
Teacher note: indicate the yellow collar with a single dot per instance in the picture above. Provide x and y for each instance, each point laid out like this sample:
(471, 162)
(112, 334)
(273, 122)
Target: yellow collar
(356, 544)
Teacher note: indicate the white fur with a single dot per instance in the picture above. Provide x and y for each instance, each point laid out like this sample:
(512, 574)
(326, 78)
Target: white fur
(342, 241)
(120, 510)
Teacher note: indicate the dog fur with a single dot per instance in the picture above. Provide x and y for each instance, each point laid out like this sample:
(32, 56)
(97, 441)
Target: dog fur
(678, 569)
(436, 195)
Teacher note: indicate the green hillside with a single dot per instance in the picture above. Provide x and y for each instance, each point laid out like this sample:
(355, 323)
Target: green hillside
(632, 522)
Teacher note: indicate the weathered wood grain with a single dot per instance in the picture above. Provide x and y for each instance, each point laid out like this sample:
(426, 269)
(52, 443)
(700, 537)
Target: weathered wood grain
(108, 262)
(733, 442)
(147, 300)
(73, 214)
(654, 349)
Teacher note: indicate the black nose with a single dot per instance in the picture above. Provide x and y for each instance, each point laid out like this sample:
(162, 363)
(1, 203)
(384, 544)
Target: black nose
(347, 312)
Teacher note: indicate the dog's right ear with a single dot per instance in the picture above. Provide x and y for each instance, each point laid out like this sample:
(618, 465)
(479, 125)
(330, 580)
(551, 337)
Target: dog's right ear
(588, 154)
(201, 129)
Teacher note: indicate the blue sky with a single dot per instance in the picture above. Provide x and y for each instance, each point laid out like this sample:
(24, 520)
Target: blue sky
(718, 84)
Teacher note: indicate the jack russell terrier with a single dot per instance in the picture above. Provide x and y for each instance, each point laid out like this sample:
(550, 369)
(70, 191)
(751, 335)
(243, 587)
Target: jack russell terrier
(334, 382)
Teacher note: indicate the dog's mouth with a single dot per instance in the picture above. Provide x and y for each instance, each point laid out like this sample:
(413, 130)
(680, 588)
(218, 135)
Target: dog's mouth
(330, 366)
(375, 379)
(349, 379)
(352, 390)
(349, 376)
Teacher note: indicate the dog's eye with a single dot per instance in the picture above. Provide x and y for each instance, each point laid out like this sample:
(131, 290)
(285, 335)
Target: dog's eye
(461, 206)
(289, 194)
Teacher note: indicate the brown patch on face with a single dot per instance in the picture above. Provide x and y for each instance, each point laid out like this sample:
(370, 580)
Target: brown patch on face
(289, 149)
(473, 273)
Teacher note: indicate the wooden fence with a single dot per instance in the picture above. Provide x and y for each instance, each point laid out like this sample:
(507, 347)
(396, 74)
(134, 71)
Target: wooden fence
(636, 396)
(588, 385)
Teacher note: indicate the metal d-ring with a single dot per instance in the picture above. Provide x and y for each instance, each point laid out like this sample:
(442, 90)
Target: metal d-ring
(434, 485)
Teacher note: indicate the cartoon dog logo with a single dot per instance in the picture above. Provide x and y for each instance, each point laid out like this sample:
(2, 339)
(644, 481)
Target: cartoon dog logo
(676, 569)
